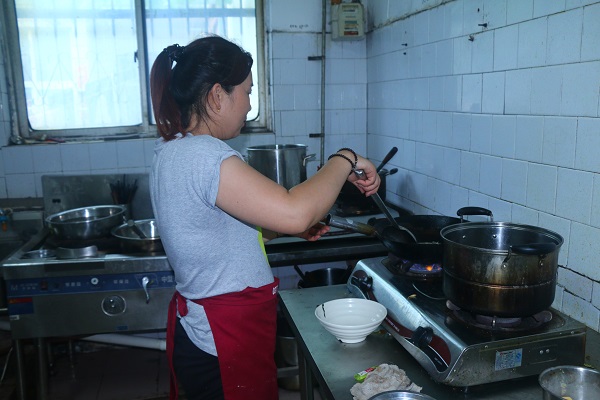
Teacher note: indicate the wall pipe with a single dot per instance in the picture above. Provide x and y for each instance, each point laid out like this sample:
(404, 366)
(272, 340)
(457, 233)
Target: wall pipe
(323, 60)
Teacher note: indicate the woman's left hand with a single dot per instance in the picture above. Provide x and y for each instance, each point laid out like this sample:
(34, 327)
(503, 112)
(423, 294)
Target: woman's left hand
(314, 233)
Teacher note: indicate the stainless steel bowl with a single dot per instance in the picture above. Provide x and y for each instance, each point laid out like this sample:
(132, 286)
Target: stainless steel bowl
(401, 395)
(130, 240)
(570, 381)
(86, 222)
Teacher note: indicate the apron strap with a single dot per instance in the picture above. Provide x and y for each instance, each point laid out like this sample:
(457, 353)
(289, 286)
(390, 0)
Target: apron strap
(177, 304)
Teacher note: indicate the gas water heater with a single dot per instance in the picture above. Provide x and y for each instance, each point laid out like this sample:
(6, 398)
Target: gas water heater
(347, 21)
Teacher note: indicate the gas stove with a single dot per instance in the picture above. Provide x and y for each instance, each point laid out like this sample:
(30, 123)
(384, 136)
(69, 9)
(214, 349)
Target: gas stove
(460, 349)
(104, 290)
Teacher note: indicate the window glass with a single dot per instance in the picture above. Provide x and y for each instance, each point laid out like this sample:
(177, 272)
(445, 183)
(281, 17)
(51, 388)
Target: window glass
(79, 64)
(181, 21)
(80, 57)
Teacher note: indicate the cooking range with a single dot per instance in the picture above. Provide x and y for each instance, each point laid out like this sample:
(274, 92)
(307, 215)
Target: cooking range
(455, 346)
(102, 289)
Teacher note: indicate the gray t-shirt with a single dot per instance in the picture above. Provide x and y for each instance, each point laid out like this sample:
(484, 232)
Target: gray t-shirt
(211, 252)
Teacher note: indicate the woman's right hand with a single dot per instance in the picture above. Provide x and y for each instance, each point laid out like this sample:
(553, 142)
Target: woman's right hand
(370, 181)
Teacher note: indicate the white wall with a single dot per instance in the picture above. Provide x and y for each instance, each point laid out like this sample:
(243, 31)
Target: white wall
(503, 116)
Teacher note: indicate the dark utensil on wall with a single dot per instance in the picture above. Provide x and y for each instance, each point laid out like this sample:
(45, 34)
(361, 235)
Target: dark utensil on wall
(387, 158)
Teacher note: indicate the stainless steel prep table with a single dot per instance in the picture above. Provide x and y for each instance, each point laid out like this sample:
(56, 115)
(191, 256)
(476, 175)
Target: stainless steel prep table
(333, 364)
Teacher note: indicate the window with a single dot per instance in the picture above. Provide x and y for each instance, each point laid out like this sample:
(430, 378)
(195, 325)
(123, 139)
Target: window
(80, 67)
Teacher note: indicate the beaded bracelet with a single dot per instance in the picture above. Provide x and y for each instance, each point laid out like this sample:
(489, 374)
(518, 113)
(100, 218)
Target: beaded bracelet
(353, 153)
(352, 165)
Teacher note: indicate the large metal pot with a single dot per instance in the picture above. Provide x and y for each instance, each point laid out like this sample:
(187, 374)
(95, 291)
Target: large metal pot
(86, 222)
(283, 163)
(500, 268)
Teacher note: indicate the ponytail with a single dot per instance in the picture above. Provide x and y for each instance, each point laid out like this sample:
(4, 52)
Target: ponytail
(180, 90)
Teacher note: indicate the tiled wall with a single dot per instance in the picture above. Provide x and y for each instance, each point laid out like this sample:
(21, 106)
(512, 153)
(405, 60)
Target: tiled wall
(504, 116)
(295, 85)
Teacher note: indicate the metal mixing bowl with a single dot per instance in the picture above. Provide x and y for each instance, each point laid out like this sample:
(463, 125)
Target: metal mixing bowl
(86, 222)
(131, 241)
(570, 381)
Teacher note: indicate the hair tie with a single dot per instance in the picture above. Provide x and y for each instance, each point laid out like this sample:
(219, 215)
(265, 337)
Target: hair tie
(174, 52)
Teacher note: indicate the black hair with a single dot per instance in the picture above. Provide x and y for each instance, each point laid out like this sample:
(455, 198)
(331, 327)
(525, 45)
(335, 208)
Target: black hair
(182, 90)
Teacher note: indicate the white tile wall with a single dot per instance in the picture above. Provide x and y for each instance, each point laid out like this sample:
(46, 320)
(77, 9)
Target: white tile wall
(524, 134)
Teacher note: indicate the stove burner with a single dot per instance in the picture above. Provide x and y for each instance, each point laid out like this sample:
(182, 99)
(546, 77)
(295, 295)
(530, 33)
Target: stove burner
(499, 324)
(486, 320)
(401, 266)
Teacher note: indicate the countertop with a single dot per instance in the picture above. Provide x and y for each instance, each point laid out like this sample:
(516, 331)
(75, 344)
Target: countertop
(334, 364)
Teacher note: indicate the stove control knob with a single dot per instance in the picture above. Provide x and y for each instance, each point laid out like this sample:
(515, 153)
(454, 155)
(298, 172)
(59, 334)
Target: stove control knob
(422, 337)
(113, 305)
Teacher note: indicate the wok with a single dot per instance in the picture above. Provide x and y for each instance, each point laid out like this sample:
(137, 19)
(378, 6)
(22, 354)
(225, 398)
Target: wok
(428, 248)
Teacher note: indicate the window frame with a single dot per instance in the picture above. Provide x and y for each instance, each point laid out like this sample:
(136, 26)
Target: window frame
(21, 131)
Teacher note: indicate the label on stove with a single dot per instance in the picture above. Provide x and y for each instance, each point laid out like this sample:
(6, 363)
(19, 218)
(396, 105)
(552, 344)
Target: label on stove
(508, 359)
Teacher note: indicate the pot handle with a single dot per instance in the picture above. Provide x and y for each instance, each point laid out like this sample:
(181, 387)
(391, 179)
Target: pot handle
(531, 249)
(474, 211)
(534, 249)
(309, 157)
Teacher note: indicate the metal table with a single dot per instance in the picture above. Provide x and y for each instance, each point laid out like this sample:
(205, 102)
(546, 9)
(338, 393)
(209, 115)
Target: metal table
(333, 364)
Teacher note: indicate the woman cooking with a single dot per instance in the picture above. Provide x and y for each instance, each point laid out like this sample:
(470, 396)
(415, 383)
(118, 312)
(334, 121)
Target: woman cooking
(212, 210)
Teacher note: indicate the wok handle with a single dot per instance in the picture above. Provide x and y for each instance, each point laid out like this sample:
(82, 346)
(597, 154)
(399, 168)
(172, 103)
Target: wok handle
(474, 211)
(344, 223)
(533, 249)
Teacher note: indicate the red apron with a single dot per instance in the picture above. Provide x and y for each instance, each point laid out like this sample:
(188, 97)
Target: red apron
(244, 326)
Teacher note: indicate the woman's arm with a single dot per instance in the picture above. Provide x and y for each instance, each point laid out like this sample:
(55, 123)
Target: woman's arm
(251, 197)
